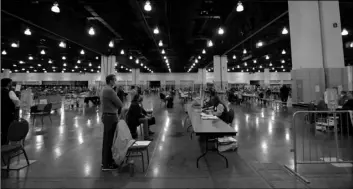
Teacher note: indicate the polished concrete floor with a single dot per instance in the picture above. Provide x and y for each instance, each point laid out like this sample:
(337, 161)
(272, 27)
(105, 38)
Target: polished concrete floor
(68, 154)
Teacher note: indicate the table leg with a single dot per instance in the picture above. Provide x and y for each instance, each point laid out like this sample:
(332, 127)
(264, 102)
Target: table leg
(197, 162)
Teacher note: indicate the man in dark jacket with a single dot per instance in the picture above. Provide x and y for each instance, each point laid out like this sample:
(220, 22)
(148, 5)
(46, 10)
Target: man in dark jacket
(8, 109)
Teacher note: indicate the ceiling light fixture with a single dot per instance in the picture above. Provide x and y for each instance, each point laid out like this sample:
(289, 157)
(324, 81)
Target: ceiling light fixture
(283, 61)
(203, 51)
(64, 64)
(137, 61)
(344, 32)
(245, 64)
(64, 58)
(234, 57)
(160, 43)
(30, 58)
(111, 44)
(79, 61)
(82, 52)
(163, 52)
(283, 51)
(156, 30)
(267, 57)
(270, 64)
(240, 7)
(209, 43)
(50, 61)
(62, 44)
(122, 52)
(284, 31)
(42, 51)
(55, 8)
(259, 44)
(148, 6)
(97, 58)
(238, 66)
(199, 57)
(39, 65)
(244, 51)
(90, 64)
(28, 32)
(21, 62)
(91, 31)
(220, 31)
(4, 52)
(14, 45)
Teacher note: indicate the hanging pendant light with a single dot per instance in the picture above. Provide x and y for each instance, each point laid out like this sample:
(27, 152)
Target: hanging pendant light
(4, 52)
(344, 32)
(160, 43)
(111, 44)
(220, 31)
(55, 8)
(122, 52)
(156, 30)
(234, 57)
(163, 52)
(283, 51)
(203, 51)
(244, 51)
(284, 31)
(91, 31)
(82, 52)
(62, 44)
(209, 43)
(240, 7)
(28, 32)
(148, 6)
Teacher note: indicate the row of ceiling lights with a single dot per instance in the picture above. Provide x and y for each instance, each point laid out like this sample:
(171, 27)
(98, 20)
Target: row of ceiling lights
(91, 31)
(258, 44)
(148, 8)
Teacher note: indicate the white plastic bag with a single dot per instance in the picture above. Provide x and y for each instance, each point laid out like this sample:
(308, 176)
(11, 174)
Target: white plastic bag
(227, 144)
(122, 142)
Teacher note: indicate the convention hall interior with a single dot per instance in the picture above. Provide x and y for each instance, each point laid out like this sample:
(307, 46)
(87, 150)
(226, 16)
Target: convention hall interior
(176, 94)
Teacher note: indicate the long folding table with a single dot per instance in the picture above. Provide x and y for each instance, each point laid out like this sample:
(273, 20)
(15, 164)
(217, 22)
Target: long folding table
(209, 129)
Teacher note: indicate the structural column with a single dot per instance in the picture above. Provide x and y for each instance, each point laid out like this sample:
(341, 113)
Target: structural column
(317, 49)
(6, 73)
(135, 76)
(220, 72)
(350, 77)
(107, 66)
(267, 77)
(201, 78)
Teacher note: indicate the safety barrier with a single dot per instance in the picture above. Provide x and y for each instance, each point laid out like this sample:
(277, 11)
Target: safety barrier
(321, 137)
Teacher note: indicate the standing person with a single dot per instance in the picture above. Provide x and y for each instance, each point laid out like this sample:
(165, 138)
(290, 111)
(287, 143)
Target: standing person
(8, 108)
(110, 105)
(284, 92)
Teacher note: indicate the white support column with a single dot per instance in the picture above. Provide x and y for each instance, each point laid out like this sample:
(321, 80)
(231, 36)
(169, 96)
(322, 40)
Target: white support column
(220, 72)
(136, 76)
(267, 77)
(6, 73)
(107, 66)
(317, 49)
(350, 77)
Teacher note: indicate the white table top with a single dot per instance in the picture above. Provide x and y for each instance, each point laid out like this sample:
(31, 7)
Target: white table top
(208, 127)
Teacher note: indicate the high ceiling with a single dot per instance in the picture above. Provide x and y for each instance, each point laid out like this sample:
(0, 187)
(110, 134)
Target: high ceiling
(185, 26)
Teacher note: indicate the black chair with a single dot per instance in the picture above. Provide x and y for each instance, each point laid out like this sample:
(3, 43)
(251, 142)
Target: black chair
(17, 133)
(46, 112)
(230, 116)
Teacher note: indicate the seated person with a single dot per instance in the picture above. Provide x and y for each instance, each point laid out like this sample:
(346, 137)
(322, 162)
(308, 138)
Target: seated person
(209, 104)
(135, 118)
(151, 120)
(343, 99)
(220, 109)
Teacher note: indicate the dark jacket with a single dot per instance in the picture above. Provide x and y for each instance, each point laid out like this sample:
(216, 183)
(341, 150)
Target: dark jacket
(224, 115)
(135, 113)
(8, 109)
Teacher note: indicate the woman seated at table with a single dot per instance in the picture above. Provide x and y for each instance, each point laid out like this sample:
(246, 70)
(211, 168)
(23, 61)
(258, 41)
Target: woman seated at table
(151, 119)
(135, 118)
(220, 109)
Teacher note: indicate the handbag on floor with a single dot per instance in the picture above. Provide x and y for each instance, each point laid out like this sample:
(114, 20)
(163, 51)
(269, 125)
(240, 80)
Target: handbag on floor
(227, 144)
